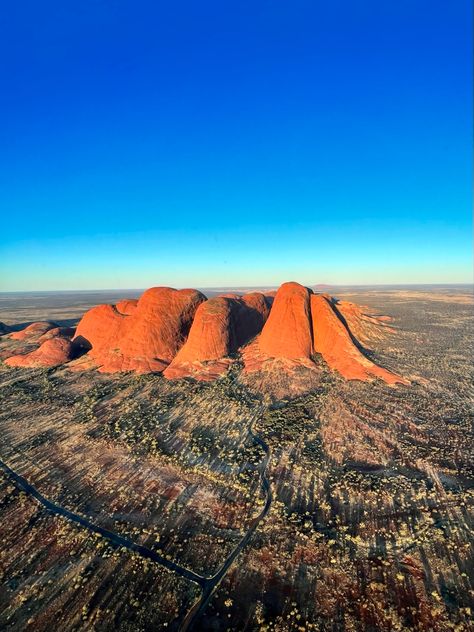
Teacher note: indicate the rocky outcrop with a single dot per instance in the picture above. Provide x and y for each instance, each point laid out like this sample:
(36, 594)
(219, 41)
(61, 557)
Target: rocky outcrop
(333, 341)
(33, 331)
(127, 306)
(98, 330)
(52, 352)
(148, 339)
(284, 338)
(364, 326)
(287, 332)
(302, 325)
(57, 332)
(221, 325)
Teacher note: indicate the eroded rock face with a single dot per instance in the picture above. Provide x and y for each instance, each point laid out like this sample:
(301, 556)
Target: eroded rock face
(52, 352)
(333, 341)
(34, 330)
(363, 325)
(148, 338)
(127, 306)
(279, 336)
(287, 332)
(61, 332)
(221, 325)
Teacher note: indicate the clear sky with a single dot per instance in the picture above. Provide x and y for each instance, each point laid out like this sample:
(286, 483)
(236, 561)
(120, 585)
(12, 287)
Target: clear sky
(234, 143)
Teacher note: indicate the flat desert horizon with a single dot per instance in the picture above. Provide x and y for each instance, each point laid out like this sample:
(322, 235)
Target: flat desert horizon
(69, 305)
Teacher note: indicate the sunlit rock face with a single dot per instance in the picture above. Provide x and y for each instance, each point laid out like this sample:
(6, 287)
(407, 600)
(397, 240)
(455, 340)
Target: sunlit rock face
(287, 333)
(144, 340)
(183, 334)
(302, 325)
(52, 352)
(33, 331)
(333, 341)
(220, 327)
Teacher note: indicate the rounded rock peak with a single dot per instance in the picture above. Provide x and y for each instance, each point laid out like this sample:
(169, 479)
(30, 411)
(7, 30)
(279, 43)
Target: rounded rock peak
(221, 325)
(211, 335)
(157, 296)
(35, 329)
(287, 332)
(52, 352)
(126, 306)
(98, 328)
(293, 287)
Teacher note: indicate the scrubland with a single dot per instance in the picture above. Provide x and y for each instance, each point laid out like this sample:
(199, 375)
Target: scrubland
(370, 527)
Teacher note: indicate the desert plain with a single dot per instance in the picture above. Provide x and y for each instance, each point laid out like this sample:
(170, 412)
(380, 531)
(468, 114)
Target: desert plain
(280, 495)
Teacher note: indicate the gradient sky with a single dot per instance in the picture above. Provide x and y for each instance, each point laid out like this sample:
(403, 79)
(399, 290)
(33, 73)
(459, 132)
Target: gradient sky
(234, 143)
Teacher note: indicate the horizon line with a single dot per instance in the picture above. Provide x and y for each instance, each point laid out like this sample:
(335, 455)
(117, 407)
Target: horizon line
(469, 284)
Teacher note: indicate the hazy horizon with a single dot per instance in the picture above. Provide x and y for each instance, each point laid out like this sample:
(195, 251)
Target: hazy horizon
(261, 286)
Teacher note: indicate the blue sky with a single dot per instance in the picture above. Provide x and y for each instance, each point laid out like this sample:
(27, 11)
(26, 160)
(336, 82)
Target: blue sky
(234, 143)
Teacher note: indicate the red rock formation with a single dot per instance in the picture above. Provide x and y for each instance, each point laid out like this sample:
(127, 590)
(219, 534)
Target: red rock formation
(146, 340)
(127, 306)
(221, 325)
(34, 330)
(98, 330)
(278, 362)
(159, 326)
(287, 332)
(183, 334)
(62, 332)
(211, 338)
(364, 326)
(333, 341)
(51, 353)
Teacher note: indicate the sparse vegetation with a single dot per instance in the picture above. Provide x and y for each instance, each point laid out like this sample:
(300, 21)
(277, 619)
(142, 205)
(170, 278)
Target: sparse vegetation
(372, 516)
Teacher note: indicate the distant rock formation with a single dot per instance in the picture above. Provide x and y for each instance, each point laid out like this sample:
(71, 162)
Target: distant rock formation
(57, 332)
(52, 352)
(34, 330)
(183, 334)
(127, 306)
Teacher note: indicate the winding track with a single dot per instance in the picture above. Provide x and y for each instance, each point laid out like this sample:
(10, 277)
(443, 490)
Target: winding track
(213, 582)
(208, 585)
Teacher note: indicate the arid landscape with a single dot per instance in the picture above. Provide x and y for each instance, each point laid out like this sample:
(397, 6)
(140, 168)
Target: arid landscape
(300, 460)
(236, 317)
